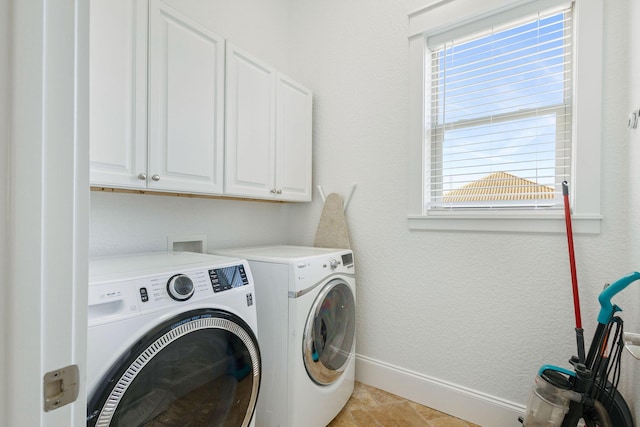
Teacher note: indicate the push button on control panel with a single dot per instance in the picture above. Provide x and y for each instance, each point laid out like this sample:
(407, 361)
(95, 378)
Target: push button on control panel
(144, 295)
(215, 282)
(243, 275)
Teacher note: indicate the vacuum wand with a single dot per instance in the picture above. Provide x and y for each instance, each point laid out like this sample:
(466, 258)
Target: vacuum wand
(574, 276)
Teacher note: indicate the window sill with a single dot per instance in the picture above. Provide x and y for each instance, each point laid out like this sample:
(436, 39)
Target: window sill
(505, 222)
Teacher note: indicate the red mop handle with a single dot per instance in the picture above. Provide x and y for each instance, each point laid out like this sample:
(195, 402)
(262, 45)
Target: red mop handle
(572, 256)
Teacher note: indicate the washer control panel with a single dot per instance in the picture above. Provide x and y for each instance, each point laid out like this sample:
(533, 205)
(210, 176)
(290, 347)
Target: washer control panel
(173, 288)
(148, 293)
(192, 284)
(126, 286)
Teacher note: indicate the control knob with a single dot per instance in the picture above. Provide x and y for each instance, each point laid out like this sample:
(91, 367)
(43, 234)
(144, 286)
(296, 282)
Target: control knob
(333, 264)
(180, 287)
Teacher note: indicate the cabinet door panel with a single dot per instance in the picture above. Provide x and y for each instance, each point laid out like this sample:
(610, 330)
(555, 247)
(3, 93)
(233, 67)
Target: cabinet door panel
(293, 140)
(118, 90)
(250, 129)
(186, 101)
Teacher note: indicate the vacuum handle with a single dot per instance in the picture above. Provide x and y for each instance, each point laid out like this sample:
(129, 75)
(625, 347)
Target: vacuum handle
(606, 308)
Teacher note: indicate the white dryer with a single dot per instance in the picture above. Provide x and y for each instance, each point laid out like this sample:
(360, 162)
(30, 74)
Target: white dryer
(172, 341)
(306, 331)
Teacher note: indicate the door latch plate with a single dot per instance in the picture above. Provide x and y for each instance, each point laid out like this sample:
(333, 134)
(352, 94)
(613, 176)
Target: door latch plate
(60, 387)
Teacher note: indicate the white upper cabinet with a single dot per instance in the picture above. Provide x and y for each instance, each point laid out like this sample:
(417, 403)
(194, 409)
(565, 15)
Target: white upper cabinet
(268, 131)
(186, 103)
(178, 143)
(293, 140)
(158, 116)
(118, 92)
(250, 125)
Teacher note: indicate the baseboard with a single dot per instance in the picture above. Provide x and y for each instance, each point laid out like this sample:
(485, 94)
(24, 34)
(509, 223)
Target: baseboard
(470, 405)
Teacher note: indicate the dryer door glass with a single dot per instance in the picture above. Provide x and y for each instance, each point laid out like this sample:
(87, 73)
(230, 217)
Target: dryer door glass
(201, 368)
(329, 337)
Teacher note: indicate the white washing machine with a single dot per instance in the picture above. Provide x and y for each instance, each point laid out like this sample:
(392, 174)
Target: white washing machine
(306, 331)
(172, 341)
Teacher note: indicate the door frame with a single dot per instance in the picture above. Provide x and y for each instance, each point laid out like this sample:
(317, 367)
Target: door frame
(45, 208)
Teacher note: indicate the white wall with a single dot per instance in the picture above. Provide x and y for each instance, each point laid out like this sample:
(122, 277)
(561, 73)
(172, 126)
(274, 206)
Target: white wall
(481, 311)
(478, 311)
(125, 223)
(129, 223)
(258, 27)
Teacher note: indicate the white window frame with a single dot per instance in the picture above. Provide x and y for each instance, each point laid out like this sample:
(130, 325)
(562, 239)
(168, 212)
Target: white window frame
(441, 15)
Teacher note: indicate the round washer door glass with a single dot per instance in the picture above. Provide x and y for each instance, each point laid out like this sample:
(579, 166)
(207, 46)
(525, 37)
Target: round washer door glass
(201, 368)
(329, 333)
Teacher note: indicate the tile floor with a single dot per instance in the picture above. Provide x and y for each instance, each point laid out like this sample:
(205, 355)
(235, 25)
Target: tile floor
(372, 407)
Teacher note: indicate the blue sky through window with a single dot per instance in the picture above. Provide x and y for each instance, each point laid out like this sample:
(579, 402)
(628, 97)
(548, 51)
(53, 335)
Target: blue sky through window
(497, 103)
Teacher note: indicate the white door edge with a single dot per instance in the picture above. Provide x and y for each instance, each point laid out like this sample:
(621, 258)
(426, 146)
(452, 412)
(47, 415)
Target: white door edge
(47, 212)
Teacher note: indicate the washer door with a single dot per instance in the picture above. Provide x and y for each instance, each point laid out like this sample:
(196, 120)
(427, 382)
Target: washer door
(329, 334)
(201, 368)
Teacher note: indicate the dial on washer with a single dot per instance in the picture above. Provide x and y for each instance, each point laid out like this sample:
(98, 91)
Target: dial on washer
(180, 287)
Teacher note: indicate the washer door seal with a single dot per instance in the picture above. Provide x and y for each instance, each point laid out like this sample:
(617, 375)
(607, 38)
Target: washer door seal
(200, 364)
(329, 333)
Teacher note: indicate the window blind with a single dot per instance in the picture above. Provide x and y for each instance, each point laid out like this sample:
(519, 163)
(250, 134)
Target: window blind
(500, 115)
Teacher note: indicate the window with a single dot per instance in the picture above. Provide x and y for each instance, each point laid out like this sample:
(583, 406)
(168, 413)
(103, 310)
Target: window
(494, 122)
(500, 115)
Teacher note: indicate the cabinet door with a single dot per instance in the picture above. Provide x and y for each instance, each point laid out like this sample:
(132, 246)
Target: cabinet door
(117, 93)
(186, 101)
(293, 140)
(250, 126)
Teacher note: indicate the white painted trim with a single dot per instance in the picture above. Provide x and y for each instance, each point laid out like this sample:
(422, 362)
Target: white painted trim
(47, 208)
(417, 46)
(525, 222)
(461, 402)
(4, 187)
(587, 124)
(24, 217)
(438, 16)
